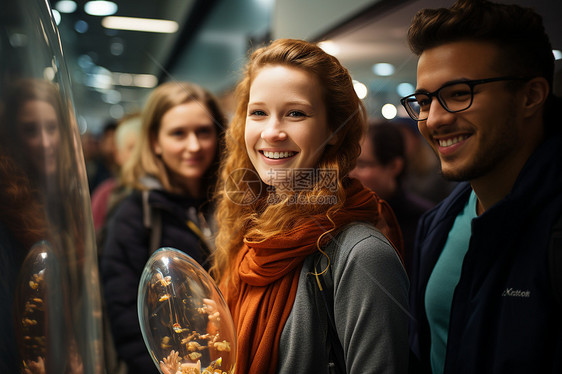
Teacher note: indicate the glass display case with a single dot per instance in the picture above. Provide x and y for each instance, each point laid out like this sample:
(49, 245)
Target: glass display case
(49, 288)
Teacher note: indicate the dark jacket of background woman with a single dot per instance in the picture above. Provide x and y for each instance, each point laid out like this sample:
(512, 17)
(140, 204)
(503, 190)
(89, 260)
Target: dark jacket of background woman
(125, 254)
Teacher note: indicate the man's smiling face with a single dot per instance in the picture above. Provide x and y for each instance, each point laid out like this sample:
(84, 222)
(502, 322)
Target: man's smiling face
(483, 139)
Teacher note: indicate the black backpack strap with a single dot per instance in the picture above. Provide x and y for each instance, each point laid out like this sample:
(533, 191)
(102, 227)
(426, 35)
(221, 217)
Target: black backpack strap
(115, 198)
(555, 260)
(325, 282)
(152, 220)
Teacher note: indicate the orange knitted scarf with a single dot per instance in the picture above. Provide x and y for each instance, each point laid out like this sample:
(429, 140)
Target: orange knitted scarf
(264, 276)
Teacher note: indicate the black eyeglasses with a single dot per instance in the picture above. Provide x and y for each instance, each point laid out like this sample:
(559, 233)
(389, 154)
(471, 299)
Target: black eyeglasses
(454, 97)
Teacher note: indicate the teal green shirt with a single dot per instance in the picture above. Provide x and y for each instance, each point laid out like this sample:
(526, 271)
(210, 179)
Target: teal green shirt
(443, 281)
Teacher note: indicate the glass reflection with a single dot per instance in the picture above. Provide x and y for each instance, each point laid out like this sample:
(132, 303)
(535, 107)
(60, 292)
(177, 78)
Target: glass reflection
(33, 125)
(50, 320)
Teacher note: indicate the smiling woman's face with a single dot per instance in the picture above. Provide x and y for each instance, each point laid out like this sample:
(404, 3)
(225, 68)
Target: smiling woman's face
(286, 124)
(186, 142)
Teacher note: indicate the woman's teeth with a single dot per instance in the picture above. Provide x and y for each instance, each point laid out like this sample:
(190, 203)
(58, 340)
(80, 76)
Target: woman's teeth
(278, 154)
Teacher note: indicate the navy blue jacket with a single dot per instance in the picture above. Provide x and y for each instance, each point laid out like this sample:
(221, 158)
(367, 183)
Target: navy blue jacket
(504, 318)
(124, 255)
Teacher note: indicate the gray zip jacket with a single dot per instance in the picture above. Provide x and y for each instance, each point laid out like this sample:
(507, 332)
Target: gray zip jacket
(370, 309)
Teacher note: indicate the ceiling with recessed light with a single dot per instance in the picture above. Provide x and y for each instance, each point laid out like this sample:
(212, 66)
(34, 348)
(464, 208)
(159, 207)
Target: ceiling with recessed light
(378, 35)
(113, 70)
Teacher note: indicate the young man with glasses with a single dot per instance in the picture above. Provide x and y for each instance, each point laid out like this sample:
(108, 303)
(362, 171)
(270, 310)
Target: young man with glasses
(481, 297)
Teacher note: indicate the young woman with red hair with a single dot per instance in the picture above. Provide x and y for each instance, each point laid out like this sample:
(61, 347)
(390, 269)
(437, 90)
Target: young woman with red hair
(286, 201)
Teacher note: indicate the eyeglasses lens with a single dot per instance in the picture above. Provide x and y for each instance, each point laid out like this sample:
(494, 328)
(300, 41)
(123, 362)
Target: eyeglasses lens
(456, 97)
(453, 98)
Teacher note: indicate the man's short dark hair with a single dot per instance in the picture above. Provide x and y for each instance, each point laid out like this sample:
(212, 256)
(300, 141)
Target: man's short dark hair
(524, 46)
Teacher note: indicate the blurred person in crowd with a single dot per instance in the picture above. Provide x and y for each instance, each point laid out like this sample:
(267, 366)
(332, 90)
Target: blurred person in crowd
(103, 165)
(380, 167)
(106, 195)
(286, 203)
(90, 150)
(485, 293)
(422, 175)
(175, 161)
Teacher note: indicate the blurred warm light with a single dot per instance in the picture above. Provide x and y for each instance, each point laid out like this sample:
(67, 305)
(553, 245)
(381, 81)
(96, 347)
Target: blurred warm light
(134, 80)
(389, 111)
(266, 4)
(123, 79)
(140, 24)
(100, 79)
(145, 80)
(100, 8)
(383, 69)
(360, 89)
(405, 89)
(56, 16)
(49, 73)
(66, 6)
(329, 47)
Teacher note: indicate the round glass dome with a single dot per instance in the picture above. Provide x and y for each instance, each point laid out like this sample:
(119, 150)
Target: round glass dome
(184, 319)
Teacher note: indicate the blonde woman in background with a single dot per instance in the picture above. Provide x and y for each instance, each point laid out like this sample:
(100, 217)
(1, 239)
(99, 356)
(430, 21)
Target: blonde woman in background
(175, 161)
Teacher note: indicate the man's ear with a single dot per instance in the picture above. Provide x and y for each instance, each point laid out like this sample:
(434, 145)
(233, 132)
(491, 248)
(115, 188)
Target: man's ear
(535, 94)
